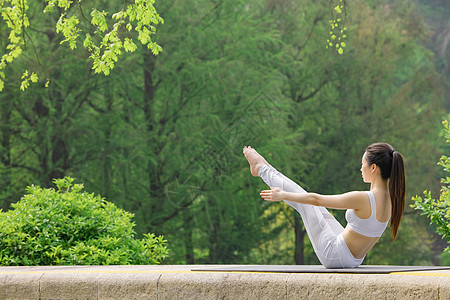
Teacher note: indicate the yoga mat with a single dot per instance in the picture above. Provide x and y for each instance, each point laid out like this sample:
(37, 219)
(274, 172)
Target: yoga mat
(364, 269)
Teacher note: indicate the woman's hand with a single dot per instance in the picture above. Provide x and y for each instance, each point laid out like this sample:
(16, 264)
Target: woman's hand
(274, 194)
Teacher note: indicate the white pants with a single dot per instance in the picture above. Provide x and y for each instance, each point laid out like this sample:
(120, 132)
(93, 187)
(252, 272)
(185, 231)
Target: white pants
(324, 231)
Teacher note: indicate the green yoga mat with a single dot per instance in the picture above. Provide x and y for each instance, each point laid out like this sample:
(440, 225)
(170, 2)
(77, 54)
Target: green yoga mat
(364, 269)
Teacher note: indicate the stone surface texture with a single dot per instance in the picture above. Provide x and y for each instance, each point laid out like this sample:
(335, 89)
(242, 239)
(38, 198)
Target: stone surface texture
(179, 282)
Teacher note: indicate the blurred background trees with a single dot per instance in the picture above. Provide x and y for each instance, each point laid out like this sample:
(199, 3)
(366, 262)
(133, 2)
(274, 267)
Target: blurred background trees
(162, 136)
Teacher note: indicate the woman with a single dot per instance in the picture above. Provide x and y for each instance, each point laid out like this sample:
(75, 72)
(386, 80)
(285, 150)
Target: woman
(368, 213)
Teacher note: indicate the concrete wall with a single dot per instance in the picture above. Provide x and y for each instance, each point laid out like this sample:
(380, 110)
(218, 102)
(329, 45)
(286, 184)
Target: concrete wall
(178, 282)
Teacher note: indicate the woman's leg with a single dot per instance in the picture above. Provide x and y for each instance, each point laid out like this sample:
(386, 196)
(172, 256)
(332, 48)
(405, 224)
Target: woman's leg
(315, 218)
(321, 227)
(324, 231)
(329, 218)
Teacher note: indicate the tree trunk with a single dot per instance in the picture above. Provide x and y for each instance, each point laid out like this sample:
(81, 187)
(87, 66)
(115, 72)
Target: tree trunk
(53, 154)
(156, 192)
(5, 153)
(299, 240)
(213, 243)
(188, 244)
(107, 161)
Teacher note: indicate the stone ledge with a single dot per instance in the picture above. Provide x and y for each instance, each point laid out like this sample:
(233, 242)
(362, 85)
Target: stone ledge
(178, 282)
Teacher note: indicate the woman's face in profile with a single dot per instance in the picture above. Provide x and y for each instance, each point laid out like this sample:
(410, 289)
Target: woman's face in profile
(365, 169)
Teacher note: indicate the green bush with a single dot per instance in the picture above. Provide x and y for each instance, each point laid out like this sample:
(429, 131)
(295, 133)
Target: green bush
(68, 226)
(438, 210)
(444, 259)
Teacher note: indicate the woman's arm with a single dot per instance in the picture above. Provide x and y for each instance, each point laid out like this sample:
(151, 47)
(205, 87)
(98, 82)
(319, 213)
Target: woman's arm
(350, 200)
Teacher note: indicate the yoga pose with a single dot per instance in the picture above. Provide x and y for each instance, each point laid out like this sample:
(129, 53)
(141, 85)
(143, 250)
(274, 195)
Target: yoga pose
(368, 213)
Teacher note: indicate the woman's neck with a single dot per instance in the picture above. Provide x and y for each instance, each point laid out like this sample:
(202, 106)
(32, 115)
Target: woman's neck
(379, 184)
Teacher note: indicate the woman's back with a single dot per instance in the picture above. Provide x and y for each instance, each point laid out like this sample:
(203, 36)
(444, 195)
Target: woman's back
(366, 225)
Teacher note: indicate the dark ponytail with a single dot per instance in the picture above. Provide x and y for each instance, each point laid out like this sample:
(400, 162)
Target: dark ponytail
(391, 166)
(397, 191)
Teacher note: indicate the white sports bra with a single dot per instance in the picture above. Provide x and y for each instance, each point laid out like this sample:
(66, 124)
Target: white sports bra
(369, 227)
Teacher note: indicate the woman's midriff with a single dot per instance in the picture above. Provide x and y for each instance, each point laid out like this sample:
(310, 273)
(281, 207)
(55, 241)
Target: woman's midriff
(358, 244)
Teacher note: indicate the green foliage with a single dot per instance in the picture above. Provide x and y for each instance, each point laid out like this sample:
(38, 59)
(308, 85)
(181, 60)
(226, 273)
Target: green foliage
(338, 31)
(101, 35)
(26, 78)
(16, 20)
(141, 14)
(68, 226)
(445, 258)
(438, 210)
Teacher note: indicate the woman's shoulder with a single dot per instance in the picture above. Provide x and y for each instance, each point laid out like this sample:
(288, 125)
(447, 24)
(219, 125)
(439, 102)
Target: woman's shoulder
(361, 200)
(360, 194)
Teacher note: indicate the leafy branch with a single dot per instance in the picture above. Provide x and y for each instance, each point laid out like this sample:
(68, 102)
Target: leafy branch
(337, 23)
(438, 210)
(104, 43)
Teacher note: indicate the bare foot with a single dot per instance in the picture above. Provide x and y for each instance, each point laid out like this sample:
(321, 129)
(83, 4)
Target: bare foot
(254, 159)
(262, 157)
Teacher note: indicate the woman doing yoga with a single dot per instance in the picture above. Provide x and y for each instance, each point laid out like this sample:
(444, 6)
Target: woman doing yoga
(368, 213)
